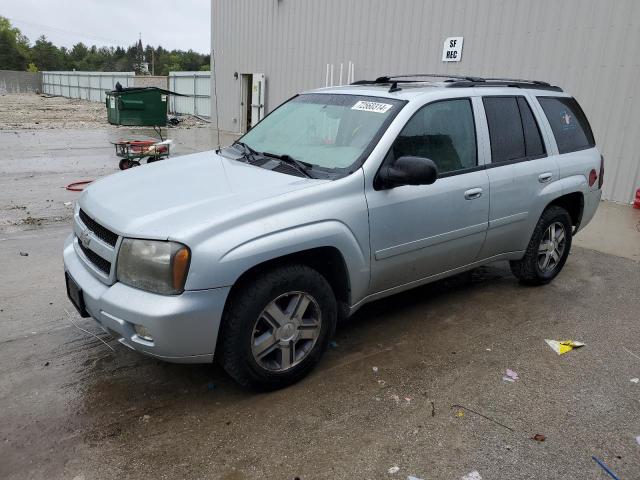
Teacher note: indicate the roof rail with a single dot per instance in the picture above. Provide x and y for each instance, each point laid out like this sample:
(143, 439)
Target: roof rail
(412, 78)
(430, 75)
(458, 81)
(506, 82)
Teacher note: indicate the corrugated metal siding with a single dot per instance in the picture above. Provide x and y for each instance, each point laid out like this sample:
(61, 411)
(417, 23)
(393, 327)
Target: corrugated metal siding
(589, 47)
(197, 87)
(84, 85)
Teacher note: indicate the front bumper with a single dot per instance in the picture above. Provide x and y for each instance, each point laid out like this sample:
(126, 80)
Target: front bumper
(184, 327)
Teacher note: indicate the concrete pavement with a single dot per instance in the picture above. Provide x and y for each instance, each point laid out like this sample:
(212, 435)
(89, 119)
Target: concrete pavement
(70, 408)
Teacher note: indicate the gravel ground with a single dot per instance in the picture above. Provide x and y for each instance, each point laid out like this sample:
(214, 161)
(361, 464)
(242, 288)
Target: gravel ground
(39, 112)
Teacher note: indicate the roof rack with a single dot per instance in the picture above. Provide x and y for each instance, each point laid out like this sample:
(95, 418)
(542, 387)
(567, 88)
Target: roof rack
(507, 82)
(458, 81)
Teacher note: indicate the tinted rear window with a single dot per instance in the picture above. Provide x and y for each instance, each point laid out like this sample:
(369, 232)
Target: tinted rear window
(532, 138)
(568, 122)
(505, 129)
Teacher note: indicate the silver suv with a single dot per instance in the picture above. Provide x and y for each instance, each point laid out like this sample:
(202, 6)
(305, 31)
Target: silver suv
(339, 197)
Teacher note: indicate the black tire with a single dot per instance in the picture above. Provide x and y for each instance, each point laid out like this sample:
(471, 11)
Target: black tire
(528, 270)
(126, 164)
(245, 307)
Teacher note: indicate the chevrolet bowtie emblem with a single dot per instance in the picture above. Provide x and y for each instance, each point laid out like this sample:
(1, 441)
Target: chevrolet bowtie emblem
(85, 238)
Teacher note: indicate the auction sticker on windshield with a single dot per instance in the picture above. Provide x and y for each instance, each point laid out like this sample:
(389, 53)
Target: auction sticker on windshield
(372, 106)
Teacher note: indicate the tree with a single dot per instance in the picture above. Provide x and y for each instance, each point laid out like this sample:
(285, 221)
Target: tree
(47, 56)
(16, 53)
(14, 47)
(77, 55)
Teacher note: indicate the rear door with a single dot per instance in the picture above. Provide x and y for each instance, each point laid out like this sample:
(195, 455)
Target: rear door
(521, 173)
(421, 231)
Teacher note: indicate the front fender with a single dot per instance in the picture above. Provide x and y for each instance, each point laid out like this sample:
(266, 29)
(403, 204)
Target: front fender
(332, 215)
(226, 270)
(330, 233)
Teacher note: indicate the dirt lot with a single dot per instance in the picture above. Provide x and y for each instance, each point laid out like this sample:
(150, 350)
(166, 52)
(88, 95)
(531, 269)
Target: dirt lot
(412, 386)
(37, 112)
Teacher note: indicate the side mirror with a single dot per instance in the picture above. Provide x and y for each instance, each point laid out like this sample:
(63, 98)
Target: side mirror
(409, 171)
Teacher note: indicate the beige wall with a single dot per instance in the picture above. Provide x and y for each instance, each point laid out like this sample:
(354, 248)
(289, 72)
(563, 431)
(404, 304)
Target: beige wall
(150, 81)
(591, 48)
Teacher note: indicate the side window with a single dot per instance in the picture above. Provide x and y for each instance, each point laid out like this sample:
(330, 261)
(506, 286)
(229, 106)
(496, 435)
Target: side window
(568, 122)
(505, 129)
(513, 130)
(533, 143)
(443, 131)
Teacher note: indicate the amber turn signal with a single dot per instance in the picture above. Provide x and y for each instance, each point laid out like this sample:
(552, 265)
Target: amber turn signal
(181, 261)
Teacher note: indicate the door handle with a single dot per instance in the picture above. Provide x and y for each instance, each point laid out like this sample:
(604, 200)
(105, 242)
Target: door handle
(545, 177)
(473, 193)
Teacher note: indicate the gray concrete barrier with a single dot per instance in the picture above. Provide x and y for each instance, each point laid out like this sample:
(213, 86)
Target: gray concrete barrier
(12, 81)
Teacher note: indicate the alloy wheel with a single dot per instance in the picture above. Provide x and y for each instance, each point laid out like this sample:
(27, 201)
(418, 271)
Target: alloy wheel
(286, 331)
(551, 247)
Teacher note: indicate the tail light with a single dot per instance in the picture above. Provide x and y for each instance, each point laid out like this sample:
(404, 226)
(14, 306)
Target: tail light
(601, 178)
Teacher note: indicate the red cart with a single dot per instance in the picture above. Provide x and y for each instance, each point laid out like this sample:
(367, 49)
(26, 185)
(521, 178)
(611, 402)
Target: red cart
(132, 152)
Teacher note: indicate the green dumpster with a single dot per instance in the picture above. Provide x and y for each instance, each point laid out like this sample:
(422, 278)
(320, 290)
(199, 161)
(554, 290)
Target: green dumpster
(138, 106)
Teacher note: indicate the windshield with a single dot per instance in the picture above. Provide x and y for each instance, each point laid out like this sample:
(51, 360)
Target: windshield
(324, 130)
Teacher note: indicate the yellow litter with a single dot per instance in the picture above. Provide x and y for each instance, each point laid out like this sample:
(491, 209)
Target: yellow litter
(563, 346)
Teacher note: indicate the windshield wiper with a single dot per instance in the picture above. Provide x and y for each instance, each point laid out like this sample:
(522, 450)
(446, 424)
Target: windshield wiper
(249, 153)
(302, 167)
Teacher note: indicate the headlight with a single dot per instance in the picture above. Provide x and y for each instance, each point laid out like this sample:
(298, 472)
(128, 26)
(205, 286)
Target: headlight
(155, 266)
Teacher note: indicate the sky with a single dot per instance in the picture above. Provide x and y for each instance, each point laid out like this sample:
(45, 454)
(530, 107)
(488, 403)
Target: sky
(174, 24)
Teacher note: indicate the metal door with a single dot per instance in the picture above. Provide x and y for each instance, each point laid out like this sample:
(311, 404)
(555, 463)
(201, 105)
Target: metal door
(417, 232)
(519, 193)
(257, 98)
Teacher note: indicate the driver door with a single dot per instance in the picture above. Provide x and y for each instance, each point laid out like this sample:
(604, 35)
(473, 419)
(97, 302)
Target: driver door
(421, 231)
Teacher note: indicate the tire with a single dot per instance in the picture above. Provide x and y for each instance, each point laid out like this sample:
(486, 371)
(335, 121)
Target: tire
(126, 164)
(248, 320)
(531, 270)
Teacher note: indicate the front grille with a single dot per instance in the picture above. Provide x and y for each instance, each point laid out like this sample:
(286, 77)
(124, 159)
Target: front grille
(98, 230)
(100, 263)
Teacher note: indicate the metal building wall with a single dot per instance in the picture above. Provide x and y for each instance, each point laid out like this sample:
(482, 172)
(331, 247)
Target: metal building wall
(589, 47)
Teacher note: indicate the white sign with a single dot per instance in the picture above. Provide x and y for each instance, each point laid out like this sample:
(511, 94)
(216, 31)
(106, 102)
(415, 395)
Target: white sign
(372, 106)
(452, 51)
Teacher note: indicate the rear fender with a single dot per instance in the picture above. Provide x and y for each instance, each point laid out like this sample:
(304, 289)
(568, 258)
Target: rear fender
(551, 192)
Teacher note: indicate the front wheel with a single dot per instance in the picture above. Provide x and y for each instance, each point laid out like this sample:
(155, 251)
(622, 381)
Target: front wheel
(548, 249)
(277, 326)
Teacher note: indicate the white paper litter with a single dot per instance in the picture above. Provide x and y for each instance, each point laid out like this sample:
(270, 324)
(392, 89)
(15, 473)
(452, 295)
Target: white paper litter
(472, 476)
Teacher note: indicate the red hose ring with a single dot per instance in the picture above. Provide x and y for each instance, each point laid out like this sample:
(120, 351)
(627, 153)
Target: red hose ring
(73, 187)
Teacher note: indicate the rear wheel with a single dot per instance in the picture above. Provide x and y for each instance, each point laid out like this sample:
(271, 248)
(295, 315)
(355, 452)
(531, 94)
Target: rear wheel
(277, 327)
(548, 249)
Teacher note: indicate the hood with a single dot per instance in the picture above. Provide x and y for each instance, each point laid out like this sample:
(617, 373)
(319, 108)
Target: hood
(180, 194)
